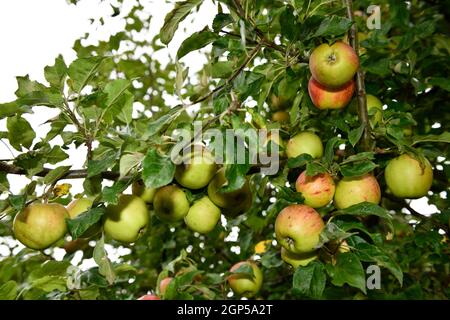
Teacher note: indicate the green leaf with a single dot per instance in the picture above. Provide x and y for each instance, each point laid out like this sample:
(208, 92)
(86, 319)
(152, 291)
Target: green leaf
(114, 90)
(105, 266)
(443, 137)
(157, 170)
(289, 195)
(173, 18)
(56, 174)
(222, 69)
(20, 132)
(357, 169)
(332, 232)
(371, 253)
(236, 177)
(128, 162)
(8, 291)
(81, 223)
(18, 201)
(329, 150)
(50, 283)
(348, 270)
(333, 26)
(443, 83)
(82, 70)
(299, 161)
(196, 41)
(366, 209)
(156, 126)
(111, 194)
(221, 20)
(288, 24)
(355, 135)
(56, 74)
(96, 167)
(309, 281)
(313, 168)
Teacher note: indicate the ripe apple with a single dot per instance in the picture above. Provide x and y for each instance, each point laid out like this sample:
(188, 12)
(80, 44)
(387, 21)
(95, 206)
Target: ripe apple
(304, 142)
(40, 225)
(298, 227)
(243, 284)
(330, 98)
(149, 297)
(236, 201)
(79, 206)
(281, 116)
(335, 65)
(406, 177)
(317, 190)
(203, 216)
(126, 220)
(163, 285)
(297, 260)
(354, 190)
(170, 203)
(197, 169)
(147, 194)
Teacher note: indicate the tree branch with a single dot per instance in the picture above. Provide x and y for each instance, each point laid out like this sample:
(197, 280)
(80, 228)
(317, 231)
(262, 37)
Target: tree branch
(71, 174)
(360, 87)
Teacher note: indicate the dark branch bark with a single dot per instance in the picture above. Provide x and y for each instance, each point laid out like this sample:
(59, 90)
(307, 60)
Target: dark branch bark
(367, 143)
(72, 174)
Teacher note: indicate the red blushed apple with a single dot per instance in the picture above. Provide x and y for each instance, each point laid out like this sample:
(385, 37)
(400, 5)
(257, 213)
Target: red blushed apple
(330, 98)
(163, 285)
(354, 190)
(335, 65)
(317, 190)
(149, 297)
(298, 228)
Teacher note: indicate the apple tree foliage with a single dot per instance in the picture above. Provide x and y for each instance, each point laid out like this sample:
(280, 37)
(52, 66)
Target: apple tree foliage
(255, 49)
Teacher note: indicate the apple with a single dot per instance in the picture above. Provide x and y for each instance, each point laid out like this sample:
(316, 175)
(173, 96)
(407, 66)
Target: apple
(268, 141)
(335, 65)
(126, 220)
(375, 104)
(75, 245)
(278, 103)
(40, 225)
(330, 98)
(170, 203)
(297, 260)
(407, 177)
(149, 297)
(244, 284)
(354, 190)
(281, 116)
(317, 190)
(197, 169)
(79, 206)
(298, 227)
(163, 285)
(235, 202)
(203, 216)
(304, 142)
(138, 189)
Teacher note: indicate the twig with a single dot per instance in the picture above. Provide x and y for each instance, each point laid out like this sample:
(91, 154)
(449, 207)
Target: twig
(250, 57)
(360, 87)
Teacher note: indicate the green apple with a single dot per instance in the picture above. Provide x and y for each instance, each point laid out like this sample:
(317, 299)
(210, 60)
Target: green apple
(203, 216)
(406, 177)
(335, 65)
(278, 103)
(234, 202)
(354, 190)
(79, 206)
(298, 227)
(304, 142)
(373, 103)
(244, 284)
(196, 171)
(317, 190)
(147, 194)
(170, 203)
(281, 116)
(297, 260)
(126, 220)
(40, 225)
(164, 283)
(330, 98)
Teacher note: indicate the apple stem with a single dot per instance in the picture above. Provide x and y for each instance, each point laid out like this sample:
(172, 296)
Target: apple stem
(363, 115)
